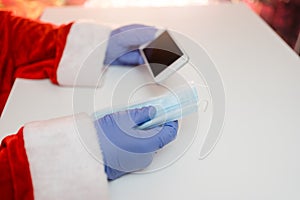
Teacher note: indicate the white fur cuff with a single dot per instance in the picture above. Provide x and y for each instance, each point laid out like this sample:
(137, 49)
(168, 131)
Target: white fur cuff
(82, 60)
(65, 159)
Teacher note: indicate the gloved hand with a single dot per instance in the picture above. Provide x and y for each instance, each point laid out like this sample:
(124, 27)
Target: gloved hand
(124, 42)
(124, 147)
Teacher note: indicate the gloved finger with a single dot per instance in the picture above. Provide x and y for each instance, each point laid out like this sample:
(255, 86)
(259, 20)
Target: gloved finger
(141, 115)
(164, 135)
(126, 28)
(168, 133)
(134, 36)
(126, 57)
(131, 58)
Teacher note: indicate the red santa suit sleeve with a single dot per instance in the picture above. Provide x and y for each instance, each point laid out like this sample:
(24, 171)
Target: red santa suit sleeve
(35, 50)
(53, 159)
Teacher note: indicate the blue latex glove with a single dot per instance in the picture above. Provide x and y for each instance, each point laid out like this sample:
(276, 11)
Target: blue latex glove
(127, 149)
(124, 42)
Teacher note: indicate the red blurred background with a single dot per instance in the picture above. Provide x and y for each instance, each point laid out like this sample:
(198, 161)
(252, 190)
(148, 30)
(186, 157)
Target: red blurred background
(282, 15)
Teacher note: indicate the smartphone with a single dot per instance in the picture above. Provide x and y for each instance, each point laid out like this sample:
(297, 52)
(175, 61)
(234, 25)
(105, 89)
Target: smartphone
(163, 56)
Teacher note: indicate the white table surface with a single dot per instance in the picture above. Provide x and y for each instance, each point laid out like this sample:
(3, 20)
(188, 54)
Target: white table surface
(257, 156)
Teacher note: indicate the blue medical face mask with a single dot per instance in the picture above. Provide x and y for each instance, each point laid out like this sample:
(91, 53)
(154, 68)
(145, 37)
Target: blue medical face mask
(169, 107)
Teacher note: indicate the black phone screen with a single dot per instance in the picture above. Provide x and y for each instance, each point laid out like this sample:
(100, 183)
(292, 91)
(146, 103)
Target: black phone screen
(161, 53)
